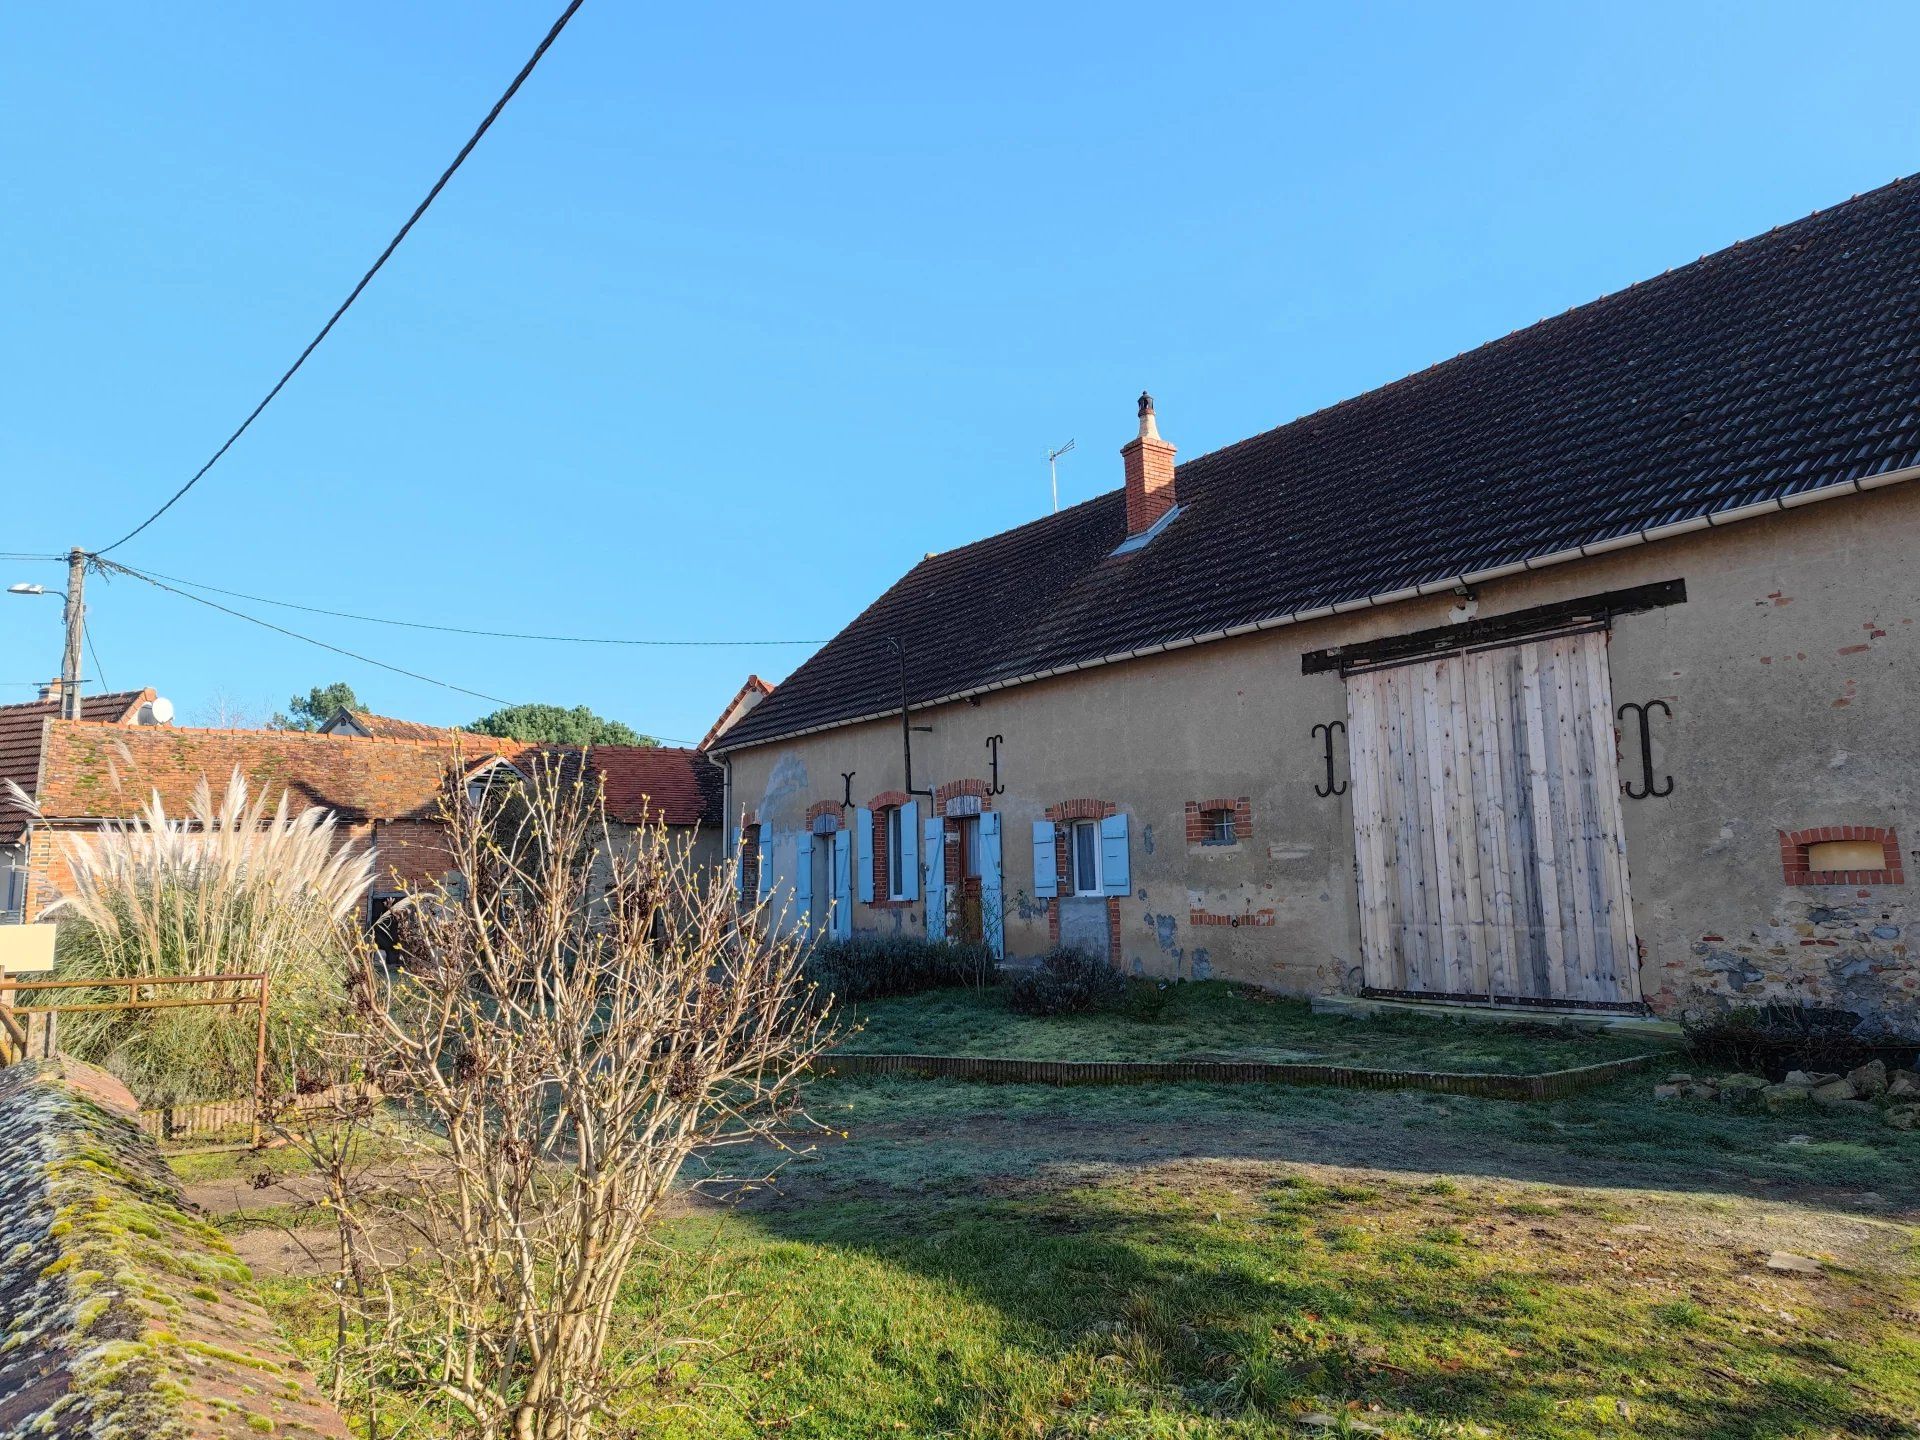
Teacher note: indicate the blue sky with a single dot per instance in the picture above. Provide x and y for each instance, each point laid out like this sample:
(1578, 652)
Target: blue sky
(740, 310)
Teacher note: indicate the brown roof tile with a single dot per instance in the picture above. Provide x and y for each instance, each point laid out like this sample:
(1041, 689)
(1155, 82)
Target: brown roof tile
(21, 730)
(1781, 365)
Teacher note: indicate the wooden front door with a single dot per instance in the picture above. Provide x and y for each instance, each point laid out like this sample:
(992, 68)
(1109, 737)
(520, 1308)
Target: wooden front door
(1486, 802)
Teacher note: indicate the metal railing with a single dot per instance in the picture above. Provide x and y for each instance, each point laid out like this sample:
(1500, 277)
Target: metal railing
(18, 1037)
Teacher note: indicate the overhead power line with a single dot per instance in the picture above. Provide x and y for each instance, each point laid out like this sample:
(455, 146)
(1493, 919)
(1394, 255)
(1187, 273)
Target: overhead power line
(120, 569)
(392, 245)
(461, 629)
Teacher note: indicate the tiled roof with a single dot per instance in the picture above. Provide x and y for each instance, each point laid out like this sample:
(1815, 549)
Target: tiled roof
(102, 771)
(386, 727)
(744, 699)
(98, 771)
(1781, 365)
(647, 782)
(21, 728)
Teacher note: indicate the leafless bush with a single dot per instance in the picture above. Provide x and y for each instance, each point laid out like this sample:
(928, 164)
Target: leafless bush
(577, 1016)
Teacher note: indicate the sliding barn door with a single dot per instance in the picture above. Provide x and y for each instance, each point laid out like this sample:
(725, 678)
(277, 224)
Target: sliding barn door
(1486, 802)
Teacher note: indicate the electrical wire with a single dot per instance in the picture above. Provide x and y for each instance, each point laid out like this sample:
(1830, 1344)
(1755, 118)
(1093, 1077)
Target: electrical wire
(99, 670)
(296, 635)
(462, 630)
(392, 245)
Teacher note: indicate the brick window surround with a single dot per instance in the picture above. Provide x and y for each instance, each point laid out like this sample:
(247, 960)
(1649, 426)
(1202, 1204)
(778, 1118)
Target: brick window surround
(943, 795)
(1795, 865)
(879, 805)
(1061, 814)
(1200, 832)
(819, 808)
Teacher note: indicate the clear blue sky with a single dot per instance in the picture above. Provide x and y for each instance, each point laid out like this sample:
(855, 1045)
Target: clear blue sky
(739, 310)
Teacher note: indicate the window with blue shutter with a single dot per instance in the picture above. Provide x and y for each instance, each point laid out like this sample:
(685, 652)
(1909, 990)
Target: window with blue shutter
(910, 850)
(933, 858)
(803, 876)
(1046, 870)
(863, 828)
(993, 923)
(1116, 879)
(766, 861)
(842, 887)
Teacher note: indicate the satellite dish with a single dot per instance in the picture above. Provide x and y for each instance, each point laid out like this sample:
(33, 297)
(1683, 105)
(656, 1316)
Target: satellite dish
(157, 711)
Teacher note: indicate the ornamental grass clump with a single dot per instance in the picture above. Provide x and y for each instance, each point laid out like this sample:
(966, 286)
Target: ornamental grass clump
(230, 888)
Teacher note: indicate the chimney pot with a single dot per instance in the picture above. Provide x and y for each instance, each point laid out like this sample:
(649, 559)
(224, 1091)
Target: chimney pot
(1148, 462)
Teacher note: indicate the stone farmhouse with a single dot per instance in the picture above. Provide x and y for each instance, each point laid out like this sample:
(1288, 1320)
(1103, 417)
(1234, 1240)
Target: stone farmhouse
(1578, 671)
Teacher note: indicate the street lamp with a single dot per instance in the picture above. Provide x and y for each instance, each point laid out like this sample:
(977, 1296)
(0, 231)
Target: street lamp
(70, 671)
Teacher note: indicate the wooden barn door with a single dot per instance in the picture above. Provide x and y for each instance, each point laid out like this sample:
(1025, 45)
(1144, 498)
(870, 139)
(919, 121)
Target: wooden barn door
(1486, 802)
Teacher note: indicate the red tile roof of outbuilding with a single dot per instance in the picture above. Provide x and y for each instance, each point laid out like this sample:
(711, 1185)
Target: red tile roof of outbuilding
(21, 730)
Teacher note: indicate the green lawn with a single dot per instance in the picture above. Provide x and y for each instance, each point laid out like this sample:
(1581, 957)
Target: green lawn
(1225, 1261)
(1219, 1021)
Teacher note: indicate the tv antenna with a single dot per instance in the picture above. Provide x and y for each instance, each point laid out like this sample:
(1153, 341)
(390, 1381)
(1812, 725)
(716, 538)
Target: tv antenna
(1053, 472)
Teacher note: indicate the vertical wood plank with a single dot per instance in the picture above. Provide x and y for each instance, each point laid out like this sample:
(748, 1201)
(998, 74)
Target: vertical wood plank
(1612, 826)
(1544, 861)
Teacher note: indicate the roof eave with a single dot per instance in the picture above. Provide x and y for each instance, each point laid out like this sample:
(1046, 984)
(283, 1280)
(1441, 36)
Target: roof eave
(1711, 521)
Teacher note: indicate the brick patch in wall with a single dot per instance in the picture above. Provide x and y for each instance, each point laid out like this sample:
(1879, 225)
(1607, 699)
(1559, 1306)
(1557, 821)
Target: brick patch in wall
(1214, 917)
(1797, 869)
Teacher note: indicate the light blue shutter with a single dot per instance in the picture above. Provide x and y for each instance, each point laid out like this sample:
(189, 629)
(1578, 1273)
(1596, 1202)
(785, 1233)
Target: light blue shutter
(739, 864)
(863, 828)
(842, 888)
(1114, 876)
(993, 920)
(910, 850)
(933, 855)
(803, 877)
(766, 861)
(1046, 875)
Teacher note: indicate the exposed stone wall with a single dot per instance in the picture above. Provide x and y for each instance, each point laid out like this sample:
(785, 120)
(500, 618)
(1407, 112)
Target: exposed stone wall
(122, 1314)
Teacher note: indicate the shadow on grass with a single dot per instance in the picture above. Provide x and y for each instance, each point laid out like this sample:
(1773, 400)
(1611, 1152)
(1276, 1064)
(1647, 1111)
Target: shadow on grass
(951, 1136)
(1236, 1307)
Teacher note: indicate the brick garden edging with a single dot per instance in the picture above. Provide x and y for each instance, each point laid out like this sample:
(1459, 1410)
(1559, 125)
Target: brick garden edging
(1548, 1085)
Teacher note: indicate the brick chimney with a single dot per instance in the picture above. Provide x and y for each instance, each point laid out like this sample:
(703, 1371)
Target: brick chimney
(53, 689)
(1149, 465)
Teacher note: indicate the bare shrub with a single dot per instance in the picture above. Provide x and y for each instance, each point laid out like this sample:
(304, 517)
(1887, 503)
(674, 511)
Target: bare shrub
(577, 1017)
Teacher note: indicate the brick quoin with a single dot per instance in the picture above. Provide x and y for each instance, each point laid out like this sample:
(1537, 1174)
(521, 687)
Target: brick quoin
(1797, 869)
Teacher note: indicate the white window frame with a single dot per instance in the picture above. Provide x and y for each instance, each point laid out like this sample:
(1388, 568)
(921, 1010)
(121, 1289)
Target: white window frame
(1083, 886)
(1219, 828)
(896, 852)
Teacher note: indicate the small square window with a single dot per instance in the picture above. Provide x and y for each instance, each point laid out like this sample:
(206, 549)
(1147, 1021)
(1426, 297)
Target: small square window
(1217, 827)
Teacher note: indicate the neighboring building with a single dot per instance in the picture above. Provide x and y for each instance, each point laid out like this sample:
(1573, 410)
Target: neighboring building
(744, 699)
(384, 793)
(1579, 670)
(22, 738)
(368, 726)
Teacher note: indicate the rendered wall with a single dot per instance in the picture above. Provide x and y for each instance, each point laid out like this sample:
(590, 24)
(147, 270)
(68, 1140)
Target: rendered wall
(1793, 673)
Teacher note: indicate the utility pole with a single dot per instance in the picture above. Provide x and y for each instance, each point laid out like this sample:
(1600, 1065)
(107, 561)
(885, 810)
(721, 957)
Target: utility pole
(76, 619)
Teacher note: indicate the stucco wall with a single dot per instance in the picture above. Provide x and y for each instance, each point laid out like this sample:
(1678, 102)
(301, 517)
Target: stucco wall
(1791, 672)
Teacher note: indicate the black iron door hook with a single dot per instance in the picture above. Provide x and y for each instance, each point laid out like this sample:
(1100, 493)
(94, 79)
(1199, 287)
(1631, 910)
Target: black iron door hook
(1648, 786)
(1332, 786)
